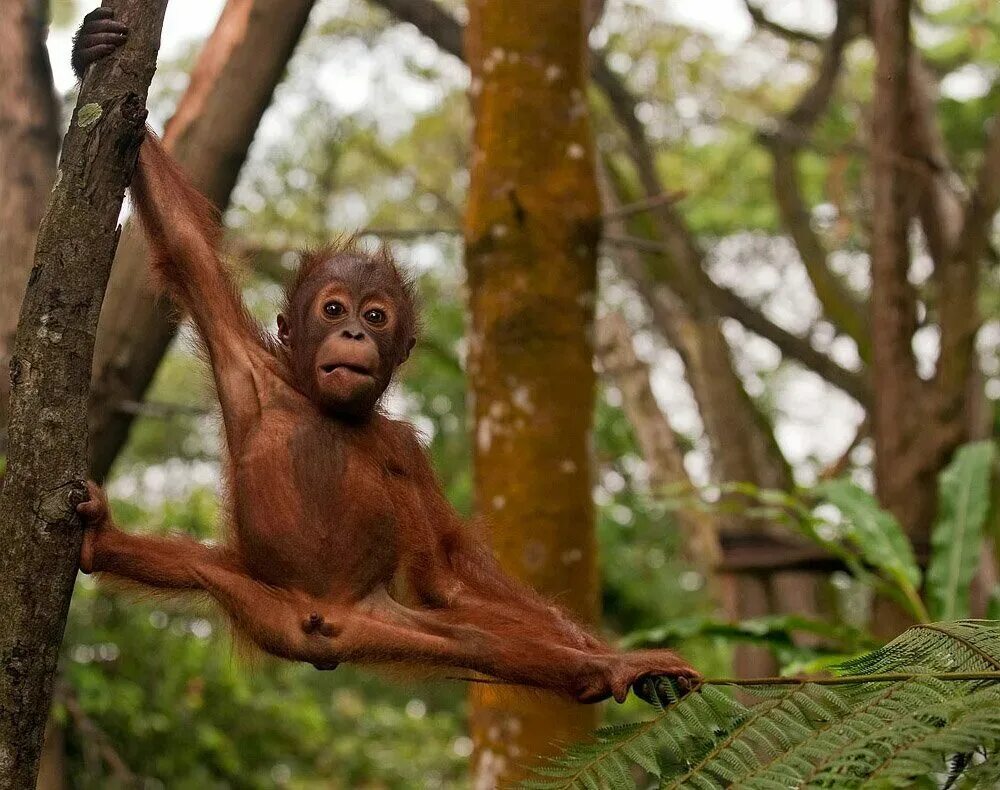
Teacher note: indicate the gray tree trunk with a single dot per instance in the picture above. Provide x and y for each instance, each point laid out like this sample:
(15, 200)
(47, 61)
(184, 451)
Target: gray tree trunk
(50, 383)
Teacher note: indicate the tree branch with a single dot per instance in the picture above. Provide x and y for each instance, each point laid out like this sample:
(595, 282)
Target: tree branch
(732, 305)
(841, 306)
(905, 479)
(764, 22)
(431, 20)
(94, 737)
(50, 374)
(958, 310)
(984, 200)
(656, 438)
(29, 145)
(743, 444)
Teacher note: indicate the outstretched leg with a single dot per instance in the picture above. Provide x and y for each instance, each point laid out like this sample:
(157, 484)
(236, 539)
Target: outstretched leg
(377, 629)
(488, 596)
(162, 563)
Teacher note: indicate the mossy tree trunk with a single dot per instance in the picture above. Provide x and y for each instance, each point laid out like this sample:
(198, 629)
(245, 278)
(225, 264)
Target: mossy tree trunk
(50, 383)
(532, 228)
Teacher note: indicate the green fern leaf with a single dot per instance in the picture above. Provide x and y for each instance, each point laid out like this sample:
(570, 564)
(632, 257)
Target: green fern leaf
(642, 752)
(921, 709)
(964, 504)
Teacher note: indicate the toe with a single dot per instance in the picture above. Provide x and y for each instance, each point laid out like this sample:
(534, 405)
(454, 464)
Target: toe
(312, 623)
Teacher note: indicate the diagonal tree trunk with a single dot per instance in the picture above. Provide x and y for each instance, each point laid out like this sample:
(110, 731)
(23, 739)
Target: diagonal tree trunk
(532, 228)
(743, 446)
(50, 376)
(209, 135)
(841, 306)
(658, 444)
(29, 143)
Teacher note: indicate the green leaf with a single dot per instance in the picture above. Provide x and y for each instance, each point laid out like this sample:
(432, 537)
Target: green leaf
(963, 506)
(874, 532)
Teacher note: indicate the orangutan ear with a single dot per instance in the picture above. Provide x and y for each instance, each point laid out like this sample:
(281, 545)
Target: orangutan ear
(409, 347)
(284, 331)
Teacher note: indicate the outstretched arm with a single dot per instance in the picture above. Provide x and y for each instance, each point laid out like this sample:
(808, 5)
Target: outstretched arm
(183, 232)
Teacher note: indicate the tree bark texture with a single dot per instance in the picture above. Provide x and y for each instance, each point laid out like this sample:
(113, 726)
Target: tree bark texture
(904, 479)
(209, 135)
(29, 144)
(50, 383)
(532, 228)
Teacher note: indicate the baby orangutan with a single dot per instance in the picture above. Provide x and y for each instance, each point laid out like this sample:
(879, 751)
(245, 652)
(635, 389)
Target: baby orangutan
(342, 546)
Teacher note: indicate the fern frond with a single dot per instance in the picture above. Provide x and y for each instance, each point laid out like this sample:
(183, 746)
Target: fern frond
(967, 645)
(924, 709)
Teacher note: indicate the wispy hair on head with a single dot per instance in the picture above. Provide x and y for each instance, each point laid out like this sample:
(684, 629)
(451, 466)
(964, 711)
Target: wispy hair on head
(382, 264)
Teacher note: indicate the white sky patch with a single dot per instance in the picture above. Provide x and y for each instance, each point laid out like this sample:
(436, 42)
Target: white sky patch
(186, 21)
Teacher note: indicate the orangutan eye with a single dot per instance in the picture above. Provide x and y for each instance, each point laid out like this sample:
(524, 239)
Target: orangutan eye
(333, 309)
(375, 316)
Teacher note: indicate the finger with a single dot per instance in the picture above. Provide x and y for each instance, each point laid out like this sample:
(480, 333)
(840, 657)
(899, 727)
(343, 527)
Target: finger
(90, 54)
(645, 689)
(105, 26)
(90, 510)
(99, 13)
(101, 39)
(312, 623)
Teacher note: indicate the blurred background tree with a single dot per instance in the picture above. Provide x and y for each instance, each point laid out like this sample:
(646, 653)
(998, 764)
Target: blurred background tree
(798, 282)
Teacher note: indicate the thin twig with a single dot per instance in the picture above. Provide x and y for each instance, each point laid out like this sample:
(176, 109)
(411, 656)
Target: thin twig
(640, 206)
(160, 410)
(844, 680)
(409, 233)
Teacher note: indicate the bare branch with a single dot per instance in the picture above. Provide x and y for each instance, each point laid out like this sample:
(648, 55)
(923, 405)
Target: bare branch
(764, 22)
(984, 200)
(431, 20)
(854, 383)
(646, 204)
(940, 207)
(29, 145)
(904, 474)
(95, 737)
(841, 306)
(956, 377)
(743, 445)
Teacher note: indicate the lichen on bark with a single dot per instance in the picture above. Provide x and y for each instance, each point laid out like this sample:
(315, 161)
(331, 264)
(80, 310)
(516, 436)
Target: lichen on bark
(532, 227)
